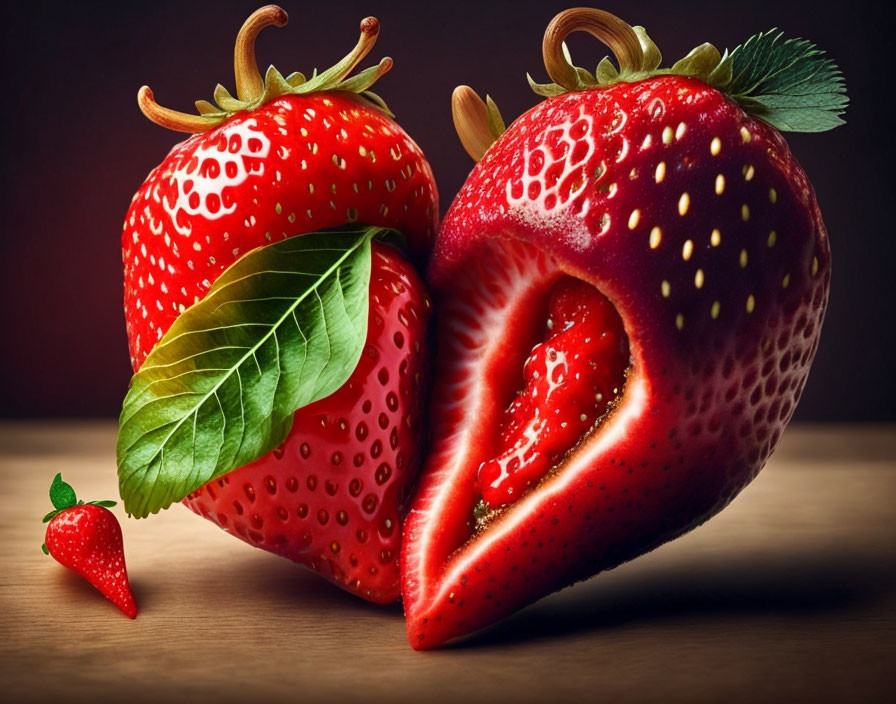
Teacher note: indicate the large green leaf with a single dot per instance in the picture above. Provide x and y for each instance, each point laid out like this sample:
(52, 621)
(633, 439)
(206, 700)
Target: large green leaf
(281, 328)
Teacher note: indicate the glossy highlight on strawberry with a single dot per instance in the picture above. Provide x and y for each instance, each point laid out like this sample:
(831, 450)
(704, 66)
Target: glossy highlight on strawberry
(660, 194)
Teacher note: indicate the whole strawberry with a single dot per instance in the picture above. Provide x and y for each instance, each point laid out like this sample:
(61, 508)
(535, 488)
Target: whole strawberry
(631, 286)
(86, 538)
(331, 380)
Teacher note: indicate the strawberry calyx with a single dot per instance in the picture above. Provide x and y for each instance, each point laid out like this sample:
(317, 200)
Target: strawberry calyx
(788, 83)
(63, 497)
(254, 91)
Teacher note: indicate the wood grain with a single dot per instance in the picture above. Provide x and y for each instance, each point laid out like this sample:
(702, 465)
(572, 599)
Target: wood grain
(788, 595)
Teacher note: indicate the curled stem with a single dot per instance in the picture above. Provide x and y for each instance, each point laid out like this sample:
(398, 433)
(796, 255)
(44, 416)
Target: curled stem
(249, 83)
(171, 119)
(611, 30)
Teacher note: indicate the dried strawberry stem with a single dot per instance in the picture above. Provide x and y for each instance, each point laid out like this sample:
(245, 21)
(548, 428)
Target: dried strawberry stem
(171, 119)
(249, 83)
(370, 30)
(612, 31)
(478, 123)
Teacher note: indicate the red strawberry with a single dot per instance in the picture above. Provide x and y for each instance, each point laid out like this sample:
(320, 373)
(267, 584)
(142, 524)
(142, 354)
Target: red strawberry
(650, 209)
(86, 538)
(288, 157)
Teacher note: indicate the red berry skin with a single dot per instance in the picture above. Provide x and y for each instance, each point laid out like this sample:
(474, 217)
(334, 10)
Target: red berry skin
(87, 539)
(332, 496)
(295, 165)
(723, 327)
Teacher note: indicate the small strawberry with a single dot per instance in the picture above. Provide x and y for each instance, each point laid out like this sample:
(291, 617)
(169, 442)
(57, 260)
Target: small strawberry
(630, 287)
(86, 538)
(285, 158)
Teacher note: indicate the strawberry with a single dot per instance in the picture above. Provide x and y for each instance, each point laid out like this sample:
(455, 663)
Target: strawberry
(86, 538)
(630, 287)
(286, 157)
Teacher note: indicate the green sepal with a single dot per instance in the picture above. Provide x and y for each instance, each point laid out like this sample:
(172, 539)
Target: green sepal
(45, 549)
(206, 108)
(495, 121)
(652, 56)
(51, 515)
(699, 63)
(606, 73)
(104, 503)
(62, 495)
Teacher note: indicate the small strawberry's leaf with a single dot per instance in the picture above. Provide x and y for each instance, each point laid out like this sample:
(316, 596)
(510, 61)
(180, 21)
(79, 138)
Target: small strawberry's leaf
(51, 515)
(281, 328)
(61, 494)
(45, 549)
(104, 503)
(790, 84)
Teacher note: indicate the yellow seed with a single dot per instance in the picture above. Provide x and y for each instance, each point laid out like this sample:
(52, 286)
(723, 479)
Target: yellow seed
(772, 238)
(698, 278)
(785, 282)
(684, 203)
(751, 303)
(660, 172)
(311, 188)
(715, 146)
(362, 150)
(814, 266)
(680, 130)
(633, 219)
(773, 195)
(679, 321)
(743, 259)
(687, 250)
(665, 288)
(749, 172)
(745, 135)
(745, 212)
(720, 184)
(667, 135)
(714, 310)
(715, 239)
(656, 236)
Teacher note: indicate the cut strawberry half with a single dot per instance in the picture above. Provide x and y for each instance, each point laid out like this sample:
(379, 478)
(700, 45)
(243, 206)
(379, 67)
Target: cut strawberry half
(630, 288)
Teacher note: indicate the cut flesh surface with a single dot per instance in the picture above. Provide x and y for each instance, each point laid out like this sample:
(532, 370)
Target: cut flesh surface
(515, 312)
(572, 377)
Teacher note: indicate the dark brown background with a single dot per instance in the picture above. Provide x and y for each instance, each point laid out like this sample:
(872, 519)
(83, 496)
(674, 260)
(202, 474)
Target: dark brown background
(75, 148)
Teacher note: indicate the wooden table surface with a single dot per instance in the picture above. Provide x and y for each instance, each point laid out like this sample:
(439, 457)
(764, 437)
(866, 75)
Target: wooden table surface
(788, 595)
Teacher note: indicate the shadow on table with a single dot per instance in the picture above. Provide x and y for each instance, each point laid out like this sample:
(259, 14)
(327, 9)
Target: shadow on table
(792, 586)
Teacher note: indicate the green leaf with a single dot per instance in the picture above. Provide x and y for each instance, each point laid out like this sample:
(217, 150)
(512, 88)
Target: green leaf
(61, 494)
(281, 328)
(45, 549)
(790, 84)
(104, 503)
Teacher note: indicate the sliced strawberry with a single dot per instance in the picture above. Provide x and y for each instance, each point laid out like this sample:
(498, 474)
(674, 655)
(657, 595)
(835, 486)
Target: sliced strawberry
(657, 211)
